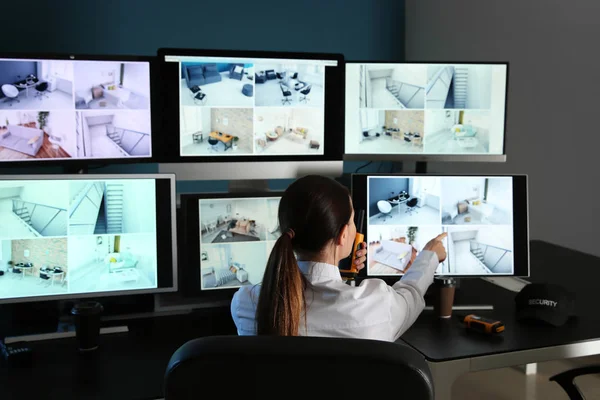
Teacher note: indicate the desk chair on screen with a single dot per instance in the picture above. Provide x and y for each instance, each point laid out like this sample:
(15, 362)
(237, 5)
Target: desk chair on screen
(304, 98)
(385, 208)
(272, 367)
(286, 94)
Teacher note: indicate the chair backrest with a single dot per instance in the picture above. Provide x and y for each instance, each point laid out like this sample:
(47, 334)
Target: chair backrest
(306, 90)
(276, 367)
(41, 86)
(412, 202)
(10, 90)
(384, 206)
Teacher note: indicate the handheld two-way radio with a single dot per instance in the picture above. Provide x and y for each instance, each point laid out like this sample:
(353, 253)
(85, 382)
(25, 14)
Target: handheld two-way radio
(484, 325)
(347, 266)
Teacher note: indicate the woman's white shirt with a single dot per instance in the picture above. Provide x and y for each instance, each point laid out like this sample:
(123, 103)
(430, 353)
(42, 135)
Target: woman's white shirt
(372, 310)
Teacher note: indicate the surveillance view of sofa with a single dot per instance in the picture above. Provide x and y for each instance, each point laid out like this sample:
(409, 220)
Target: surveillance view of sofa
(392, 86)
(217, 84)
(404, 201)
(293, 84)
(101, 263)
(393, 249)
(238, 220)
(477, 201)
(288, 131)
(112, 207)
(224, 266)
(36, 85)
(216, 131)
(479, 250)
(459, 86)
(457, 132)
(112, 85)
(37, 135)
(33, 267)
(33, 209)
(113, 134)
(385, 131)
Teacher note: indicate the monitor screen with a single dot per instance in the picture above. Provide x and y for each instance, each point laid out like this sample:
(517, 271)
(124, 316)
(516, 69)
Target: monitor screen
(90, 236)
(74, 109)
(485, 218)
(230, 238)
(425, 111)
(241, 106)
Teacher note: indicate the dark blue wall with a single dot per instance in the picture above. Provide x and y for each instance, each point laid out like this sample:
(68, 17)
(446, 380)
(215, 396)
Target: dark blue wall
(380, 189)
(13, 71)
(359, 29)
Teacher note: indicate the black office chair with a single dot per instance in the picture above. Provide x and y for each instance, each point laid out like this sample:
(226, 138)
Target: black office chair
(411, 205)
(213, 144)
(286, 95)
(367, 136)
(305, 93)
(41, 89)
(277, 367)
(279, 75)
(567, 380)
(295, 75)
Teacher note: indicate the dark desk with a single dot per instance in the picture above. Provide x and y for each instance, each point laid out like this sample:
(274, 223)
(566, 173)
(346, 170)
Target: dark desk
(126, 366)
(452, 351)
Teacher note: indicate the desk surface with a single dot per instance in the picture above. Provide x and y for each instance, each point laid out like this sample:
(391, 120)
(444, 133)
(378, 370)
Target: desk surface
(445, 340)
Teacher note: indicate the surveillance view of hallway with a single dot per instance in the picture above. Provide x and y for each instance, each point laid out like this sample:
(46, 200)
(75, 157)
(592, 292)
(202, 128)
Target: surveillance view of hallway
(33, 267)
(101, 263)
(479, 250)
(113, 134)
(112, 207)
(392, 86)
(31, 209)
(457, 132)
(459, 86)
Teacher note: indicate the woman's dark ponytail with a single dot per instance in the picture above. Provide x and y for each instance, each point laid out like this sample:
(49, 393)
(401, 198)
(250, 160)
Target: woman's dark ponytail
(281, 301)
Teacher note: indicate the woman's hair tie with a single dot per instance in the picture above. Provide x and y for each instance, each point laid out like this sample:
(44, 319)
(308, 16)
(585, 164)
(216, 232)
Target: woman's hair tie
(290, 232)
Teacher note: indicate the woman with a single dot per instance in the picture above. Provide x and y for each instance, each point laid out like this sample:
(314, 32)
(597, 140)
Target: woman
(302, 292)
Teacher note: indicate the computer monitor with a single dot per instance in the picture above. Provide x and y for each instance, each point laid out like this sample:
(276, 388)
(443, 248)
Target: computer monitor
(228, 239)
(425, 111)
(72, 109)
(77, 236)
(485, 218)
(251, 114)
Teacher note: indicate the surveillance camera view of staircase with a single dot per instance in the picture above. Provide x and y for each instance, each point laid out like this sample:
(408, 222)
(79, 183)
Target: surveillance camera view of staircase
(113, 134)
(459, 86)
(479, 250)
(32, 210)
(392, 86)
(112, 207)
(112, 262)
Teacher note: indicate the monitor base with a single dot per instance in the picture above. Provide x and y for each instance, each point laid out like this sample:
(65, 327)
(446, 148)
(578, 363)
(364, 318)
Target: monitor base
(248, 186)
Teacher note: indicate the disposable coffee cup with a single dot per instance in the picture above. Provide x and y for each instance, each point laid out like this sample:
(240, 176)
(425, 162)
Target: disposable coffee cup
(87, 324)
(445, 300)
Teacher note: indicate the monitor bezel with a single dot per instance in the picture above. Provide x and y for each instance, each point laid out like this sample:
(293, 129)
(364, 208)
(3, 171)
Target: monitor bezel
(433, 157)
(520, 220)
(333, 111)
(172, 257)
(82, 163)
(190, 284)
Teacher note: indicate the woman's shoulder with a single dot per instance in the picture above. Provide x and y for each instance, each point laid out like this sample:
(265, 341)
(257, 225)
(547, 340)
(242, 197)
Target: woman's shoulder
(246, 294)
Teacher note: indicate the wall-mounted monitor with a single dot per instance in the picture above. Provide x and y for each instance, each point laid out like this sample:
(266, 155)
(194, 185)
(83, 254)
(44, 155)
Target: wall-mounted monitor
(70, 109)
(234, 111)
(228, 239)
(75, 236)
(485, 218)
(425, 111)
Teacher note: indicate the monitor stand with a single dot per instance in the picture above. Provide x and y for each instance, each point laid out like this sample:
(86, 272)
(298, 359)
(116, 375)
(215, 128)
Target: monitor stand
(421, 167)
(249, 186)
(442, 285)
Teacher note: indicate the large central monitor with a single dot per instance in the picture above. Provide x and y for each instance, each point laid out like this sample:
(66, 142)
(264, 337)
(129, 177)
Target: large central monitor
(238, 112)
(485, 218)
(228, 240)
(425, 112)
(74, 236)
(70, 109)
